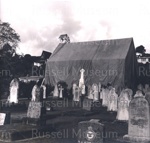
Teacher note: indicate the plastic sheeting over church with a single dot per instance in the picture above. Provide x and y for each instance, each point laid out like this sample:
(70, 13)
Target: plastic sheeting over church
(112, 61)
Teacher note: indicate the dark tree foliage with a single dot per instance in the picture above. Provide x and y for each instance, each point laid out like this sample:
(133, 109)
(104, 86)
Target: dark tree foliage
(140, 49)
(9, 40)
(64, 38)
(8, 36)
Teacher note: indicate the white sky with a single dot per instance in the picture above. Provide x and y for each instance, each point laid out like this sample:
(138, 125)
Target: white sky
(40, 22)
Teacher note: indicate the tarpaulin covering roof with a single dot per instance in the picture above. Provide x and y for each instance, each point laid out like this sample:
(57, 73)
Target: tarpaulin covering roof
(104, 61)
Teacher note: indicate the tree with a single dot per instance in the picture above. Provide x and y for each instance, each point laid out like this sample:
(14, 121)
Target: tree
(64, 38)
(9, 40)
(8, 36)
(140, 49)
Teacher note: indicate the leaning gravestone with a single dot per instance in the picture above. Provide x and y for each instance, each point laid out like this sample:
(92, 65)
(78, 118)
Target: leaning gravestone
(90, 132)
(139, 121)
(4, 118)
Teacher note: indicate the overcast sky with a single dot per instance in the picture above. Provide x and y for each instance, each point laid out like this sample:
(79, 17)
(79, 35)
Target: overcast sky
(40, 22)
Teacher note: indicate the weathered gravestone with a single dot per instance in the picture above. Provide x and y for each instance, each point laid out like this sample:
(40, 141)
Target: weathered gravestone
(123, 106)
(34, 110)
(14, 88)
(87, 104)
(4, 118)
(139, 121)
(35, 114)
(90, 132)
(77, 94)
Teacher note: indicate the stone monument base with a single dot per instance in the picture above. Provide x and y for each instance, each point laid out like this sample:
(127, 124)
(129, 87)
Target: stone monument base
(136, 139)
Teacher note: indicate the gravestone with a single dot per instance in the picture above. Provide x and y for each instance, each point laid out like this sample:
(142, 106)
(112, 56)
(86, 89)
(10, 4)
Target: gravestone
(112, 100)
(37, 93)
(77, 94)
(146, 89)
(34, 110)
(33, 93)
(56, 92)
(83, 89)
(140, 87)
(90, 92)
(123, 106)
(139, 121)
(44, 91)
(14, 88)
(95, 92)
(81, 80)
(138, 94)
(73, 88)
(87, 104)
(104, 96)
(130, 92)
(35, 114)
(90, 132)
(4, 118)
(96, 106)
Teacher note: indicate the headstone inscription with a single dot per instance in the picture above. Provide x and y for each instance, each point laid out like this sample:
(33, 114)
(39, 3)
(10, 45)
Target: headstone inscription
(56, 92)
(61, 92)
(139, 120)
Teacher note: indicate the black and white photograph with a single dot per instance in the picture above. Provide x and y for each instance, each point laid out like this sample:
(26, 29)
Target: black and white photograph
(74, 71)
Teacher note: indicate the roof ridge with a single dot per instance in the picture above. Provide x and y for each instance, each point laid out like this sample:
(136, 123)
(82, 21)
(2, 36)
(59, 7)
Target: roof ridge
(99, 40)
